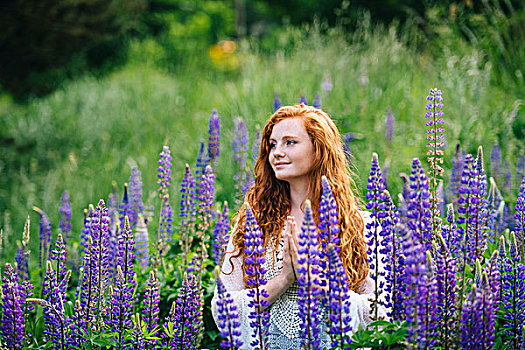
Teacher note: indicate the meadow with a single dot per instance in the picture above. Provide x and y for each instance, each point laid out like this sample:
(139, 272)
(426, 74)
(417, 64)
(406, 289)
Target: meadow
(86, 138)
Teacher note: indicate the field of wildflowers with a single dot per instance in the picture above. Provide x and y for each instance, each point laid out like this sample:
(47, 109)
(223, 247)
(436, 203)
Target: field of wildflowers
(131, 273)
(453, 275)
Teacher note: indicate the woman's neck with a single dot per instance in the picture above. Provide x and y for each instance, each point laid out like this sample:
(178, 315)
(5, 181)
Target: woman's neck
(298, 193)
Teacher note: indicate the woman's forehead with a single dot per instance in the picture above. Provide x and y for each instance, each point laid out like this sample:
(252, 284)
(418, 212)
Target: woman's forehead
(289, 127)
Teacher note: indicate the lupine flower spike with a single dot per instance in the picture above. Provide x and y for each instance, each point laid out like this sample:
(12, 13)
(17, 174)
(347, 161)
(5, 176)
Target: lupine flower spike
(12, 306)
(254, 261)
(45, 236)
(309, 281)
(185, 316)
(421, 330)
(435, 145)
(519, 217)
(339, 320)
(187, 212)
(317, 101)
(303, 99)
(513, 288)
(135, 195)
(65, 216)
(214, 137)
(276, 103)
(228, 316)
(419, 207)
(446, 293)
(328, 228)
(151, 305)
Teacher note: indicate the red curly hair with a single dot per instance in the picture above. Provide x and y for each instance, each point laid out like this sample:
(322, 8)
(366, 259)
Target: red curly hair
(269, 197)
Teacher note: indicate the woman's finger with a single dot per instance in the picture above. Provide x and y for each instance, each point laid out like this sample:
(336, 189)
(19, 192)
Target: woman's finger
(295, 233)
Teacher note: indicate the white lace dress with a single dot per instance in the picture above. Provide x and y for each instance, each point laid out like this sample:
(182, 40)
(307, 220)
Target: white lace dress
(284, 319)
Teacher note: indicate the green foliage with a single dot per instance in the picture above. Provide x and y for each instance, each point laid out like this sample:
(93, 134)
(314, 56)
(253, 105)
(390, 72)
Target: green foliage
(46, 42)
(381, 335)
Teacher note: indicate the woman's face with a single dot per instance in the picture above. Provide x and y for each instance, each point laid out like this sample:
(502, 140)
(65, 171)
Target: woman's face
(291, 150)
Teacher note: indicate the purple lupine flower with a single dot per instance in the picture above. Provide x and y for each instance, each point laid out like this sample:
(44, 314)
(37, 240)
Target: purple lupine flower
(94, 278)
(228, 316)
(328, 228)
(450, 233)
(379, 232)
(478, 318)
(309, 281)
(507, 179)
(495, 162)
(392, 259)
(254, 260)
(502, 260)
(339, 318)
(164, 171)
(151, 304)
(419, 207)
(326, 84)
(452, 189)
(303, 99)
(276, 103)
(435, 139)
(479, 243)
(86, 229)
(135, 195)
(513, 287)
(45, 236)
(122, 299)
(185, 316)
(139, 343)
(389, 126)
(519, 217)
(142, 243)
(165, 226)
(100, 251)
(488, 313)
(418, 294)
(214, 137)
(496, 206)
(202, 160)
(12, 311)
(446, 292)
(347, 139)
(113, 200)
(317, 101)
(53, 308)
(220, 234)
(65, 216)
(206, 196)
(59, 255)
(492, 271)
(22, 265)
(76, 327)
(187, 212)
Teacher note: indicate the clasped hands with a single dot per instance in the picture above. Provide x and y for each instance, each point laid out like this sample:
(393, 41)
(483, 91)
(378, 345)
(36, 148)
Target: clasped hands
(291, 255)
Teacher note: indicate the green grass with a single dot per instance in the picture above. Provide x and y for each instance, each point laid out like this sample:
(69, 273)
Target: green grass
(88, 134)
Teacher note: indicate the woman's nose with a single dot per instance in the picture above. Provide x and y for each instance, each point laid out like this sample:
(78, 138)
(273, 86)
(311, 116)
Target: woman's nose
(278, 152)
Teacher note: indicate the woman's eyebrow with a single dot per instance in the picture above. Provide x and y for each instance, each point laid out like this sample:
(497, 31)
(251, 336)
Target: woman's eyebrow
(285, 137)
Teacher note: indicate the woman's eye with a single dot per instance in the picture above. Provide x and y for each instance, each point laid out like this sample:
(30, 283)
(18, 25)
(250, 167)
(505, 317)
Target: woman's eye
(290, 142)
(272, 145)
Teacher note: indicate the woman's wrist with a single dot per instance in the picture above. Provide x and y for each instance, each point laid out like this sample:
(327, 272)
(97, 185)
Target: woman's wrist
(286, 279)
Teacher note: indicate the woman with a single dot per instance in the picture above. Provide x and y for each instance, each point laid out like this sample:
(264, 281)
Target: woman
(299, 145)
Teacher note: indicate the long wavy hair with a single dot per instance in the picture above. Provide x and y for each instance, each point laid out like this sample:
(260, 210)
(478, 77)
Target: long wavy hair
(269, 197)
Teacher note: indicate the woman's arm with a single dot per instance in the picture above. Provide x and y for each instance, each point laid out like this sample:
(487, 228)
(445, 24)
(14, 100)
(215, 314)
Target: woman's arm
(231, 276)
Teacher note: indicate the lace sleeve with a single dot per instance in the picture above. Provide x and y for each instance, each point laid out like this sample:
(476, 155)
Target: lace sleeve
(231, 276)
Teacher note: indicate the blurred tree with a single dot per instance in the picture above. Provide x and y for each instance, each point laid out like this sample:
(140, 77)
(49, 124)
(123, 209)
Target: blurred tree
(44, 42)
